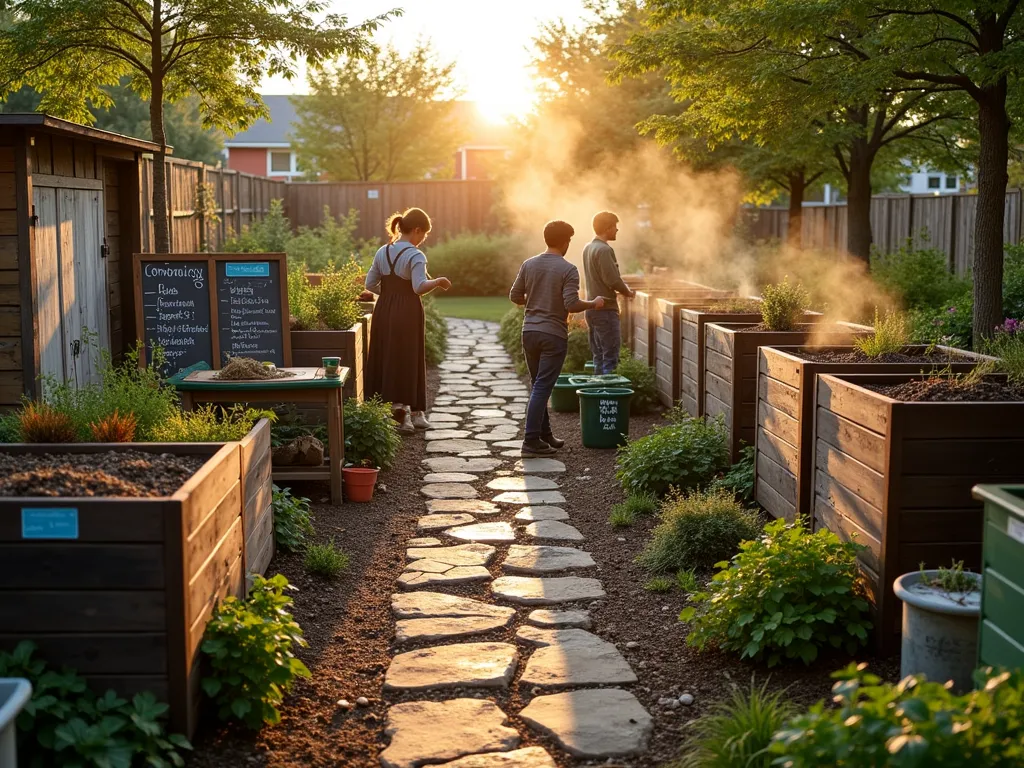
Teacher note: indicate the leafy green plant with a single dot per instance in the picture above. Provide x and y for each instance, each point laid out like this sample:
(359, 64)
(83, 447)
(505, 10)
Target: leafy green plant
(65, 723)
(783, 304)
(687, 580)
(371, 435)
(952, 579)
(739, 480)
(685, 454)
(577, 346)
(919, 279)
(10, 427)
(486, 265)
(737, 732)
(913, 724)
(641, 381)
(1008, 345)
(784, 596)
(890, 336)
(292, 522)
(209, 424)
(332, 304)
(249, 644)
(640, 504)
(622, 516)
(326, 559)
(697, 530)
(659, 584)
(436, 332)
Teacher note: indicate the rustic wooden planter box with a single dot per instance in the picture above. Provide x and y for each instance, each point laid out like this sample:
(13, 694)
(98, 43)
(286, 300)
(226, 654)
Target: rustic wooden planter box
(310, 347)
(691, 350)
(898, 475)
(126, 601)
(785, 419)
(730, 375)
(667, 342)
(647, 314)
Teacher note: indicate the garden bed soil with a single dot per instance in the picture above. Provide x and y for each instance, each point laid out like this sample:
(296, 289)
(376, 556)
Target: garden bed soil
(898, 475)
(111, 473)
(946, 390)
(786, 405)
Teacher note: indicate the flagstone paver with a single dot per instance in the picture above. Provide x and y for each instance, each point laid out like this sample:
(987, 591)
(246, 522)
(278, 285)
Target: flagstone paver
(449, 477)
(529, 757)
(449, 491)
(530, 590)
(455, 464)
(592, 723)
(461, 445)
(463, 506)
(467, 665)
(430, 573)
(445, 434)
(484, 532)
(522, 483)
(552, 530)
(488, 413)
(571, 657)
(461, 554)
(544, 559)
(439, 522)
(540, 466)
(549, 619)
(531, 514)
(427, 616)
(424, 541)
(530, 497)
(424, 732)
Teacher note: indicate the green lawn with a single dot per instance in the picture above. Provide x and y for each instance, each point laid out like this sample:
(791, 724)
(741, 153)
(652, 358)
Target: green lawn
(474, 307)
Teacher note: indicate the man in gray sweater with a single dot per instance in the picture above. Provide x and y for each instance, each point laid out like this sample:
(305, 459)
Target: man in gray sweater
(549, 287)
(602, 275)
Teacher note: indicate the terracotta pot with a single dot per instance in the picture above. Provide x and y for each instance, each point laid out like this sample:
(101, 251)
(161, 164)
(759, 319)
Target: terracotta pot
(359, 483)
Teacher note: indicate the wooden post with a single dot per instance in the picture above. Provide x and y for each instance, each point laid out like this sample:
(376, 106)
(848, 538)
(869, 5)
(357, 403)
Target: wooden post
(954, 211)
(200, 193)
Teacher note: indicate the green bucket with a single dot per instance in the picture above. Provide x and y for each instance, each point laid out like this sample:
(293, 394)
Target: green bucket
(604, 416)
(563, 396)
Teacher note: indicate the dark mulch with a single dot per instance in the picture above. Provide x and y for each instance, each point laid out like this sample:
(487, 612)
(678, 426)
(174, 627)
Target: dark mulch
(114, 473)
(799, 328)
(952, 390)
(853, 355)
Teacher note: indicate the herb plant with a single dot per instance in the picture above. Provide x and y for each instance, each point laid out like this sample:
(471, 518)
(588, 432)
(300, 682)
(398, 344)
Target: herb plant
(1008, 345)
(687, 580)
(951, 580)
(66, 724)
(371, 435)
(621, 516)
(685, 454)
(326, 560)
(920, 279)
(659, 584)
(209, 424)
(697, 530)
(890, 336)
(333, 304)
(913, 724)
(739, 480)
(641, 381)
(782, 305)
(292, 522)
(783, 597)
(250, 644)
(10, 427)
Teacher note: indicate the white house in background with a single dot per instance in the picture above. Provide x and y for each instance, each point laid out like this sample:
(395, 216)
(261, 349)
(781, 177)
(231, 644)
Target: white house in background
(925, 181)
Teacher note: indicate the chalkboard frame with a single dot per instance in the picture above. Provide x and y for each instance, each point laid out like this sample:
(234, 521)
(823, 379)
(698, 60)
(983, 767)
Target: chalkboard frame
(212, 259)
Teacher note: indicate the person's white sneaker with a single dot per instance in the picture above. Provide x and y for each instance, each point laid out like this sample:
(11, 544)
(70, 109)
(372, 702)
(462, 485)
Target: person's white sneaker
(419, 421)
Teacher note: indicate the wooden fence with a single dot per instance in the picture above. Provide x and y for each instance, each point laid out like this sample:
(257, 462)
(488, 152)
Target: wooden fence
(945, 222)
(238, 199)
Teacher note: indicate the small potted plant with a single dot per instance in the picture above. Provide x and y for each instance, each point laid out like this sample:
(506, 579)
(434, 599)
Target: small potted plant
(940, 624)
(371, 444)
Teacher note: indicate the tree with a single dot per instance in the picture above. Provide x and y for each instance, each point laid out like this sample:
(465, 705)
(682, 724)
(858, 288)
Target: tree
(975, 47)
(388, 117)
(167, 50)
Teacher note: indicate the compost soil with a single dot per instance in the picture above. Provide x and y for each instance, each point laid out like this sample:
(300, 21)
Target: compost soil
(952, 390)
(854, 355)
(114, 473)
(349, 627)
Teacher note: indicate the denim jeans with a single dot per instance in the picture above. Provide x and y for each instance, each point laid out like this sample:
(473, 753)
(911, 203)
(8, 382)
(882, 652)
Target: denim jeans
(544, 354)
(605, 339)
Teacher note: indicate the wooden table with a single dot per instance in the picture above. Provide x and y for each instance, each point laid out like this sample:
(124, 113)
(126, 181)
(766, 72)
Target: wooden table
(308, 385)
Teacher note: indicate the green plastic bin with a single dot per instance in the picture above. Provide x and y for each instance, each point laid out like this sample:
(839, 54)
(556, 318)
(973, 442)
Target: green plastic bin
(604, 416)
(563, 396)
(1001, 628)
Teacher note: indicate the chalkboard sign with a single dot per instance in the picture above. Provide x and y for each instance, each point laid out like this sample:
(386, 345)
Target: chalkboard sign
(249, 318)
(207, 307)
(176, 312)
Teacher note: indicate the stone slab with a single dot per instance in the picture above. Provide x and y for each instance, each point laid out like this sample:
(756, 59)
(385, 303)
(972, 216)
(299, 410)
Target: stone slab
(548, 619)
(531, 590)
(571, 657)
(426, 732)
(530, 497)
(423, 541)
(522, 483)
(449, 477)
(456, 446)
(497, 434)
(430, 573)
(449, 491)
(439, 522)
(425, 605)
(534, 560)
(496, 421)
(540, 466)
(510, 444)
(553, 530)
(445, 434)
(461, 554)
(443, 418)
(450, 409)
(488, 413)
(532, 514)
(497, 532)
(467, 665)
(463, 506)
(528, 757)
(455, 464)
(601, 723)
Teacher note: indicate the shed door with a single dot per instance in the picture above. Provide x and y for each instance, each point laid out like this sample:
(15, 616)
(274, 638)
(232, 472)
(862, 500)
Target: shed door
(71, 289)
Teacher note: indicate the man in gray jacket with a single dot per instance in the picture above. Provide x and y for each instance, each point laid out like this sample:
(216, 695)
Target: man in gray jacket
(601, 272)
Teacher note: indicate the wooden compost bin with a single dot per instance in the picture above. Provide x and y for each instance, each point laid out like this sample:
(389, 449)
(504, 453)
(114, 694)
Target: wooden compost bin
(646, 313)
(898, 475)
(126, 601)
(730, 376)
(785, 418)
(310, 347)
(667, 342)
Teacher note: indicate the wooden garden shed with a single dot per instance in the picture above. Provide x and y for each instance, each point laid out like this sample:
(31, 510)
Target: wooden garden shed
(70, 219)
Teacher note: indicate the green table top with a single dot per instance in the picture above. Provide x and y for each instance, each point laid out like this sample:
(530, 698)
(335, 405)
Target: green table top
(305, 378)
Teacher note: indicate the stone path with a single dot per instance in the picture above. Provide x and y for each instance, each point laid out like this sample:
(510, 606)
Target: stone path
(495, 521)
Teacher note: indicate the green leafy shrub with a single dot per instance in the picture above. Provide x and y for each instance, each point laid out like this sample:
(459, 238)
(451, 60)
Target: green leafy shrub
(739, 480)
(687, 580)
(209, 424)
(271, 234)
(914, 723)
(1013, 281)
(697, 530)
(249, 644)
(641, 381)
(10, 427)
(326, 559)
(660, 584)
(479, 264)
(510, 334)
(371, 435)
(891, 335)
(333, 304)
(292, 522)
(639, 504)
(918, 279)
(784, 596)
(577, 346)
(66, 724)
(737, 732)
(950, 324)
(783, 304)
(436, 331)
(685, 454)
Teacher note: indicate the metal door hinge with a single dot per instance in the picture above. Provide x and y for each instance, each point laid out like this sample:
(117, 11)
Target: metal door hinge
(104, 249)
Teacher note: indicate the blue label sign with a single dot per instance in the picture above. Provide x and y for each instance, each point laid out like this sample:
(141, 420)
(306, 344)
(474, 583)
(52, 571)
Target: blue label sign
(49, 523)
(247, 269)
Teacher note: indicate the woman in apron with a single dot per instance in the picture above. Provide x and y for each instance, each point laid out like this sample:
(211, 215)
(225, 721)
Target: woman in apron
(396, 368)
